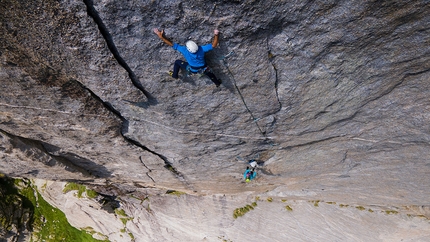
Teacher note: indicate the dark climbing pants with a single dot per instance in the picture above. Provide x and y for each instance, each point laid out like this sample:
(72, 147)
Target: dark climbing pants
(179, 64)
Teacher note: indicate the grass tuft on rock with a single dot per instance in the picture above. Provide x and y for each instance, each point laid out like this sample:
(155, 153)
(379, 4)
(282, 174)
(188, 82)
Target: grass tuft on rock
(360, 208)
(81, 189)
(174, 192)
(238, 212)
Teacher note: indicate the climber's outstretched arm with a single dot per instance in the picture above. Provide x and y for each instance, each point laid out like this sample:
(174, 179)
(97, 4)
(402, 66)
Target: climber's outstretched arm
(160, 35)
(215, 41)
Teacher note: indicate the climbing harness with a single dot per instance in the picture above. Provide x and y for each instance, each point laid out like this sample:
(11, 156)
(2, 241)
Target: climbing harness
(201, 72)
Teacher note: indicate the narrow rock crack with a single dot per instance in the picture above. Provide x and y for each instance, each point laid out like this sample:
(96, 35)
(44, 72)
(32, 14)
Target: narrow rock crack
(149, 170)
(168, 165)
(242, 98)
(271, 57)
(92, 12)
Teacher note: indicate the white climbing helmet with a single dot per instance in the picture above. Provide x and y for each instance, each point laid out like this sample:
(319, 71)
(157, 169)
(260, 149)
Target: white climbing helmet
(192, 46)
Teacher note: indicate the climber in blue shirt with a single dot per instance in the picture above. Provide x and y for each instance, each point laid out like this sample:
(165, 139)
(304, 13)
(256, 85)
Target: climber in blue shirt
(194, 56)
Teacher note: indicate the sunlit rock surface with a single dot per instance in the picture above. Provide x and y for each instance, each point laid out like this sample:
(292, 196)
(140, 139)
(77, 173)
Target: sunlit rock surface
(331, 97)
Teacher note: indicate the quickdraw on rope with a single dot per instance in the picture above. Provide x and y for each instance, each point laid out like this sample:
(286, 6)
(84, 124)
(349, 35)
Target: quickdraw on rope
(227, 56)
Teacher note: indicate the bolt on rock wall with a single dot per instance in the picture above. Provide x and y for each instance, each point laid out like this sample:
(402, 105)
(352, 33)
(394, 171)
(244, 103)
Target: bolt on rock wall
(331, 96)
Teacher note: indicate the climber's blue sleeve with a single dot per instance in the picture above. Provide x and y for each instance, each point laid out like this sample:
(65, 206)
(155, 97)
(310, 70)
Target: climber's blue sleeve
(207, 48)
(180, 48)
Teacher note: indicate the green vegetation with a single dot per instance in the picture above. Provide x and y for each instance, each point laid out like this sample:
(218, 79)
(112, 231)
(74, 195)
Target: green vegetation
(316, 203)
(15, 209)
(284, 200)
(177, 193)
(124, 219)
(360, 208)
(269, 199)
(223, 239)
(391, 212)
(46, 222)
(238, 212)
(148, 209)
(343, 205)
(44, 186)
(81, 189)
(121, 212)
(288, 208)
(331, 202)
(74, 187)
(91, 193)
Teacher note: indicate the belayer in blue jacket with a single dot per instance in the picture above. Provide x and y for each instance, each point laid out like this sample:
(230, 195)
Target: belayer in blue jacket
(194, 56)
(249, 174)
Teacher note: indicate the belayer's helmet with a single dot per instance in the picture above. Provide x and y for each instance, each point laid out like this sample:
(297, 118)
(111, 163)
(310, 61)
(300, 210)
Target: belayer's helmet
(192, 46)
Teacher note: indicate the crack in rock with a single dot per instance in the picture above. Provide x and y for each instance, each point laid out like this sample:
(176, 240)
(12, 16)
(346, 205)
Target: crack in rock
(242, 98)
(92, 12)
(270, 57)
(168, 165)
(149, 170)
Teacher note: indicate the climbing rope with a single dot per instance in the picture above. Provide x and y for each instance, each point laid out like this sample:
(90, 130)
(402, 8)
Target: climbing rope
(224, 58)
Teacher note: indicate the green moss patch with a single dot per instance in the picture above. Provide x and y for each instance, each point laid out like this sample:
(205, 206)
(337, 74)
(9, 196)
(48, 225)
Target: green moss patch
(47, 222)
(81, 189)
(238, 212)
(177, 193)
(391, 212)
(316, 203)
(120, 212)
(360, 208)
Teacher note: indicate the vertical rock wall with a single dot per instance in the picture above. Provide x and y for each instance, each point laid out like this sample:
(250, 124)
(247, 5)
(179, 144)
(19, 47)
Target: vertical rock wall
(324, 93)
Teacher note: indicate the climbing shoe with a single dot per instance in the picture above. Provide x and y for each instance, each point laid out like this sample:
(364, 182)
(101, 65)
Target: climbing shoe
(217, 85)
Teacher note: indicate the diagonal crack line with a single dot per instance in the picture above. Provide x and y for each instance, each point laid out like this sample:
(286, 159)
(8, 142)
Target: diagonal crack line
(243, 99)
(312, 142)
(168, 165)
(92, 12)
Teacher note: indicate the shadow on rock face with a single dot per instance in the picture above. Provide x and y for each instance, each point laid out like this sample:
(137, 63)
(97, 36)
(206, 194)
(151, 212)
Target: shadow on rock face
(51, 155)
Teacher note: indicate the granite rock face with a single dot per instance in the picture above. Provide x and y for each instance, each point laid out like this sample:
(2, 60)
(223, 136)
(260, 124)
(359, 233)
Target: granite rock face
(331, 97)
